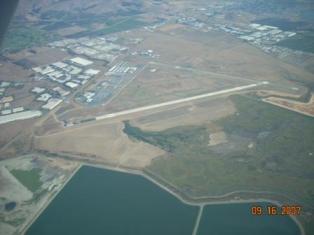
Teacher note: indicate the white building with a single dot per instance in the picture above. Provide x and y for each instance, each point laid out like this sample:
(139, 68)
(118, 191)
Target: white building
(71, 85)
(5, 84)
(6, 112)
(61, 91)
(81, 61)
(38, 90)
(18, 109)
(75, 70)
(91, 72)
(52, 103)
(19, 116)
(44, 97)
(60, 65)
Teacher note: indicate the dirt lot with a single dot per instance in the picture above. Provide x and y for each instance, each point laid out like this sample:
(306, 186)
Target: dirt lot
(10, 130)
(305, 108)
(12, 72)
(216, 52)
(48, 126)
(42, 55)
(265, 93)
(105, 143)
(170, 27)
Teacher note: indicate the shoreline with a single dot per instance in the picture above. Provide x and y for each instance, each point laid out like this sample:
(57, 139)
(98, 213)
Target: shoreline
(198, 202)
(49, 199)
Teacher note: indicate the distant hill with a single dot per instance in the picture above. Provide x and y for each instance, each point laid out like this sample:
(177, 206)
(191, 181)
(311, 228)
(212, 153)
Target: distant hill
(36, 22)
(33, 10)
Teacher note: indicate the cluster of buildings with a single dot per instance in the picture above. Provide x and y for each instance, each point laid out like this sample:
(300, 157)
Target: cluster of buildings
(98, 48)
(9, 111)
(152, 28)
(49, 98)
(6, 106)
(69, 75)
(120, 69)
(65, 77)
(118, 75)
(192, 22)
(262, 36)
(146, 53)
(6, 101)
(265, 37)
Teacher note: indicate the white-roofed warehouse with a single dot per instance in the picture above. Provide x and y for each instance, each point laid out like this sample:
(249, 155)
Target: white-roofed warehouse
(81, 61)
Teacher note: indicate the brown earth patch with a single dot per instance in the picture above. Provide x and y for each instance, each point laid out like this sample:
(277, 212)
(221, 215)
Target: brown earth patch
(105, 143)
(304, 108)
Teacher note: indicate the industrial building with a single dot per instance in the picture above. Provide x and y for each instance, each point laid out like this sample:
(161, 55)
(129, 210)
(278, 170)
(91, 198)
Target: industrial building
(81, 61)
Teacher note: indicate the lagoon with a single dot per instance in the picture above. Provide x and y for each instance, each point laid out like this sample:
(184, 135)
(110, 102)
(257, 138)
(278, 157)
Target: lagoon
(236, 219)
(97, 201)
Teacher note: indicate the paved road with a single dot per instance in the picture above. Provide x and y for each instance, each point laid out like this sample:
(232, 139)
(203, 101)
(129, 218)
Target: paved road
(179, 101)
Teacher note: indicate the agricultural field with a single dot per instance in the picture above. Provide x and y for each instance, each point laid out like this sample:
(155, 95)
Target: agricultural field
(29, 178)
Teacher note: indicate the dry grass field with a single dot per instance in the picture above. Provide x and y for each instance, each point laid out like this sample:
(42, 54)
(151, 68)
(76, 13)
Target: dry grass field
(43, 55)
(10, 130)
(166, 83)
(101, 143)
(12, 72)
(70, 30)
(48, 126)
(215, 52)
(191, 63)
(196, 113)
(170, 27)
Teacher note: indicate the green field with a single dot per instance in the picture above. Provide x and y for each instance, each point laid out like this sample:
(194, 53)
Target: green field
(282, 142)
(280, 159)
(171, 140)
(29, 178)
(21, 37)
(301, 42)
(123, 25)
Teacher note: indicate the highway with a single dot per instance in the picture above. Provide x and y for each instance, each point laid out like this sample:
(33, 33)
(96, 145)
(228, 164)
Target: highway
(179, 101)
